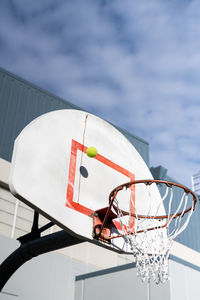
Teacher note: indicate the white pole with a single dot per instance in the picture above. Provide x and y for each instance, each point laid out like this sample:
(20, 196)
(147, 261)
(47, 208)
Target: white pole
(148, 290)
(14, 218)
(192, 180)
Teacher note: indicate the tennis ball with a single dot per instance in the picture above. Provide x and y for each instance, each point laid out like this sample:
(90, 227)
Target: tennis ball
(91, 152)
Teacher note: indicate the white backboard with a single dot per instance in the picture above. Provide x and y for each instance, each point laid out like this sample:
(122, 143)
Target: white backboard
(51, 172)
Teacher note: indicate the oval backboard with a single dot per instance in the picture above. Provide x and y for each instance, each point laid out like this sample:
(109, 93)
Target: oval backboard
(51, 172)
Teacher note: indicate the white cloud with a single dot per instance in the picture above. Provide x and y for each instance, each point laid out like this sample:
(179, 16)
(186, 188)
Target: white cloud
(134, 63)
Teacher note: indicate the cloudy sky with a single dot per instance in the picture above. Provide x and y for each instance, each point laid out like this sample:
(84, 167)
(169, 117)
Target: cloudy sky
(133, 63)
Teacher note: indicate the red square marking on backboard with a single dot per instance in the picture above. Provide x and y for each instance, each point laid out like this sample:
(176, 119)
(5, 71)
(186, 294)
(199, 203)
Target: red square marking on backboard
(71, 178)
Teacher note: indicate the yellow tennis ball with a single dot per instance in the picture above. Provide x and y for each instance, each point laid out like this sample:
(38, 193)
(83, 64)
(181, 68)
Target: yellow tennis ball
(91, 152)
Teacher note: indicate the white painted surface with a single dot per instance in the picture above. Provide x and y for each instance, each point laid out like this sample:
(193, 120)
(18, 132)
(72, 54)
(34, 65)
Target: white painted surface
(41, 165)
(185, 253)
(184, 282)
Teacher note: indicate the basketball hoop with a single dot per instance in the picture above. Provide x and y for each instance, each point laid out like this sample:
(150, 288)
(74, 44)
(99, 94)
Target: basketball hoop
(150, 233)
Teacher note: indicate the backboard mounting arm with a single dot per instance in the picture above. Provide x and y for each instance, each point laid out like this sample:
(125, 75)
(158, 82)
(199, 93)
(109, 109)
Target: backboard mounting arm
(35, 230)
(33, 248)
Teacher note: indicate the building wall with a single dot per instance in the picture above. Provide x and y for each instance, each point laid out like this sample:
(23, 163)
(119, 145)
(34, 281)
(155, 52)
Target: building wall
(119, 282)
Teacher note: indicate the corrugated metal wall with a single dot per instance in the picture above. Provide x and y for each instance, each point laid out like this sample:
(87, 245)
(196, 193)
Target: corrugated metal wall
(190, 237)
(21, 102)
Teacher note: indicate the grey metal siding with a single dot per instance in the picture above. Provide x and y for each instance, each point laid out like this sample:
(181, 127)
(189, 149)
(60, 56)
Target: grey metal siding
(21, 102)
(190, 236)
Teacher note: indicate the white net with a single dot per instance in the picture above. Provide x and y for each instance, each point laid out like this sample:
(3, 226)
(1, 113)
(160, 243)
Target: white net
(151, 237)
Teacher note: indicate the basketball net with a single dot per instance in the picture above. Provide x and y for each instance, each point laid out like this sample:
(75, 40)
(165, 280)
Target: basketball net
(152, 236)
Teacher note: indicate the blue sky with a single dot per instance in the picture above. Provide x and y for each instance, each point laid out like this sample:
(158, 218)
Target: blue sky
(133, 63)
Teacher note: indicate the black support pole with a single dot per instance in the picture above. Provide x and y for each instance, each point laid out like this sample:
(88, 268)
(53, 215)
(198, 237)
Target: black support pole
(34, 248)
